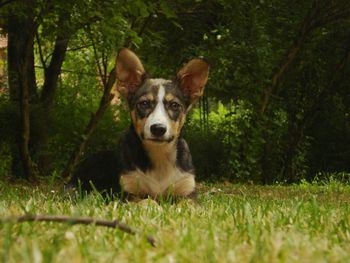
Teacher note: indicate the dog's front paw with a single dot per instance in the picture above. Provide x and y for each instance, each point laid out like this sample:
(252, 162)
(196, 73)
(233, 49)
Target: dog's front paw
(184, 187)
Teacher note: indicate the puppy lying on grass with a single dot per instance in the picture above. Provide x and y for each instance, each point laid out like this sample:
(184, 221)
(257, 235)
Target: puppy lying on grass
(151, 159)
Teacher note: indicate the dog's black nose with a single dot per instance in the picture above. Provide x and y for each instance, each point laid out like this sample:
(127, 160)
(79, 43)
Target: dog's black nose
(158, 130)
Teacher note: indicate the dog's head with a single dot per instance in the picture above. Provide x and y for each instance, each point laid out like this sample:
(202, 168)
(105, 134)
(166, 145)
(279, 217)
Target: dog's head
(158, 107)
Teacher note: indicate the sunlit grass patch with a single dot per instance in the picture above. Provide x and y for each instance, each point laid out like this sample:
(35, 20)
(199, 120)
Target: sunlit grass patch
(229, 223)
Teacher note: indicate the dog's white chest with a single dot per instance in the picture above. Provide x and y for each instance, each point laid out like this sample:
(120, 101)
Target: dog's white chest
(162, 180)
(165, 178)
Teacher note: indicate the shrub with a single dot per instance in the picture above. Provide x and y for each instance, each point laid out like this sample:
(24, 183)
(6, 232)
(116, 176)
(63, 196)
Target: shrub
(226, 149)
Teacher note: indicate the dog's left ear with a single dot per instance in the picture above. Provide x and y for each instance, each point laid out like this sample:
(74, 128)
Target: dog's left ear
(192, 78)
(129, 70)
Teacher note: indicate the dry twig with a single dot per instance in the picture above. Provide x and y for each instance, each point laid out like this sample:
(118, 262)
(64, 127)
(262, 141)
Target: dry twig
(77, 220)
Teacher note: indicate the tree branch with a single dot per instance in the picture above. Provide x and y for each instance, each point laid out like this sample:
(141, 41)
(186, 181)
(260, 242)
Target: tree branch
(54, 69)
(43, 62)
(309, 24)
(74, 72)
(94, 119)
(327, 92)
(2, 4)
(128, 42)
(102, 76)
(78, 48)
(78, 220)
(330, 18)
(104, 64)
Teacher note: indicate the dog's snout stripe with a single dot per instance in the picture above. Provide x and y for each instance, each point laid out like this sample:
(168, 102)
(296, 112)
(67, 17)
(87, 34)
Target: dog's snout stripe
(159, 116)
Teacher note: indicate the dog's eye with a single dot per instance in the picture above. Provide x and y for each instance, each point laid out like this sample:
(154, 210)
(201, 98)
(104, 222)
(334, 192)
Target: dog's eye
(174, 106)
(145, 104)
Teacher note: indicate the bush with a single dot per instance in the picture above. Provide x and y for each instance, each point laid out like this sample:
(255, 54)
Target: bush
(226, 149)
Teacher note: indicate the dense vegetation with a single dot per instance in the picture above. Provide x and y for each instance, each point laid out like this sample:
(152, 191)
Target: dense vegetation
(276, 108)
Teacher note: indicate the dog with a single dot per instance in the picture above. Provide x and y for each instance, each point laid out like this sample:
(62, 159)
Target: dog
(151, 159)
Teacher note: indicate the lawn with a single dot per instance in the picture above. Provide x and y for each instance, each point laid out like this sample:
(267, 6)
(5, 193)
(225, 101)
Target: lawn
(229, 223)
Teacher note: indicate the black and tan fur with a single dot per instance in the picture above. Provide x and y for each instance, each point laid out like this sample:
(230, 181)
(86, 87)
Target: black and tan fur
(151, 159)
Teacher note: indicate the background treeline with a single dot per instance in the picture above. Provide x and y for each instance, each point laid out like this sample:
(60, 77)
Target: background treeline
(276, 107)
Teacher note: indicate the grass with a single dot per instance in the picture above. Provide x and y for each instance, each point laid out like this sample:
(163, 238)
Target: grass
(230, 223)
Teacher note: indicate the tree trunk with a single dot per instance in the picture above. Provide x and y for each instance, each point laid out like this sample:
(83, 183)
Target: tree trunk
(20, 34)
(25, 121)
(295, 136)
(22, 86)
(41, 139)
(54, 69)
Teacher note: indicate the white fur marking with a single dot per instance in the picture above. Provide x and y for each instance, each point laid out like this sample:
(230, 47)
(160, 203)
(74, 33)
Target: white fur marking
(158, 116)
(174, 182)
(165, 178)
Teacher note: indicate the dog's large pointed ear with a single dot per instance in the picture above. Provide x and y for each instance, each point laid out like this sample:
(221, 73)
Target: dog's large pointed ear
(192, 78)
(129, 71)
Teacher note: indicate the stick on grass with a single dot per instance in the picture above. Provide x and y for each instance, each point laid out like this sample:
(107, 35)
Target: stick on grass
(75, 221)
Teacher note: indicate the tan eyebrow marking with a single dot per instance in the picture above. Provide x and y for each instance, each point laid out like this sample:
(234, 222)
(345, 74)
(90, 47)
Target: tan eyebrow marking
(169, 97)
(148, 96)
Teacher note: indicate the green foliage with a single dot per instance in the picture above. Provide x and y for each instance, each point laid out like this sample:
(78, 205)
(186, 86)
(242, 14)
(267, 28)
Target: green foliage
(78, 98)
(232, 148)
(304, 130)
(221, 150)
(5, 163)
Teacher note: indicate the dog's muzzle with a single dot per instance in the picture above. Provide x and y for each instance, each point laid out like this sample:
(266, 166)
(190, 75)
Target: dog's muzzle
(158, 130)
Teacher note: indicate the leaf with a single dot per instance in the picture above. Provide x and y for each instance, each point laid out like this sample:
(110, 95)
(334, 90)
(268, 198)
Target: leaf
(142, 8)
(167, 10)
